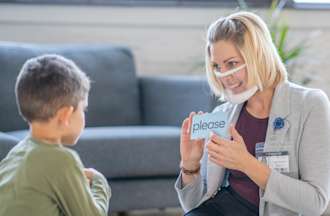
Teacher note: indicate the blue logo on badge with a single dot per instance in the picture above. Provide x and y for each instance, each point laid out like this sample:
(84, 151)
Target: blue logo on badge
(278, 123)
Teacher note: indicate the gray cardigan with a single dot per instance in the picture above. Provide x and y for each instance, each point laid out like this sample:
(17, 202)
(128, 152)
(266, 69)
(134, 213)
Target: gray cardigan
(305, 135)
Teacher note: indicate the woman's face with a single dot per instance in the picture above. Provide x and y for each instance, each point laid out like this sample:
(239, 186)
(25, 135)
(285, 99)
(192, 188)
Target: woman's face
(224, 57)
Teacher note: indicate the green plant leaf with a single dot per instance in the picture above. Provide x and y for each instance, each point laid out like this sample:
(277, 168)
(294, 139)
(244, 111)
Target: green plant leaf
(293, 53)
(242, 4)
(283, 36)
(279, 33)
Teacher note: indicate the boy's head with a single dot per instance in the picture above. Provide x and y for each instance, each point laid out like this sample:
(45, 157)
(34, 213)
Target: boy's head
(51, 88)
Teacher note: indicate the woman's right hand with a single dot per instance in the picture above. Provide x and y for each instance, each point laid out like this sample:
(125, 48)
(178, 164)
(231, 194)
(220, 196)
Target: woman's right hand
(191, 150)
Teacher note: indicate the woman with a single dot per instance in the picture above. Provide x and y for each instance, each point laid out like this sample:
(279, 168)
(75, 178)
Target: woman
(277, 161)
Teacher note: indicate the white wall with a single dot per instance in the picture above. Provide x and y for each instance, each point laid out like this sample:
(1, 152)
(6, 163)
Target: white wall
(164, 40)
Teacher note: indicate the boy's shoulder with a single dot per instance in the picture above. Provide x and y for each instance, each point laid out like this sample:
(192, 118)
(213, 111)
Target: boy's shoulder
(52, 158)
(38, 165)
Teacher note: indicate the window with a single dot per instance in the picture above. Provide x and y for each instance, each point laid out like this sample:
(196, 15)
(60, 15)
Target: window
(197, 3)
(312, 4)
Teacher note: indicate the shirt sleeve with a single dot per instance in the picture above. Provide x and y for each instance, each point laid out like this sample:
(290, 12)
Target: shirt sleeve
(73, 192)
(100, 190)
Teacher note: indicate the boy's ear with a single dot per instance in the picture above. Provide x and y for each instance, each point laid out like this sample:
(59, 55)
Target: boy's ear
(64, 114)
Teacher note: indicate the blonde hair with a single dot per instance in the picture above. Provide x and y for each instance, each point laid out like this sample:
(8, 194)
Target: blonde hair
(249, 33)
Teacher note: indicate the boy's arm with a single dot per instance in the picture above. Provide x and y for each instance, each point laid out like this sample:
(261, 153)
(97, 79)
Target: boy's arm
(74, 194)
(98, 183)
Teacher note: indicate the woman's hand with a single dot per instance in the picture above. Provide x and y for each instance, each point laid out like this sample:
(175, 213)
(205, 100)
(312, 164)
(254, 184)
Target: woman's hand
(231, 154)
(191, 150)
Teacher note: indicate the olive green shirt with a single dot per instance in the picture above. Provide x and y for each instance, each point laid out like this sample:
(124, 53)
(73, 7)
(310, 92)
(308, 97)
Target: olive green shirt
(38, 179)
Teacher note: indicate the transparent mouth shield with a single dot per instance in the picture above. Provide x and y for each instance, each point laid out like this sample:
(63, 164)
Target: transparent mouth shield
(219, 74)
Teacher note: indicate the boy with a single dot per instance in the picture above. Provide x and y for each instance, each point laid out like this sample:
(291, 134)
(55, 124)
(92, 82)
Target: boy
(40, 176)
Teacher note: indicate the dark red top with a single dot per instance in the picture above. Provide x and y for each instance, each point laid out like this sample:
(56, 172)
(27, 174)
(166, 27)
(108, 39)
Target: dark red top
(253, 130)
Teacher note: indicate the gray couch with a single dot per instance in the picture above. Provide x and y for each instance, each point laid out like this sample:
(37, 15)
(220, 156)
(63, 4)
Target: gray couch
(132, 123)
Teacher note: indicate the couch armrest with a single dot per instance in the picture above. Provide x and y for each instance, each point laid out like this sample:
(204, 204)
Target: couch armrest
(7, 142)
(167, 100)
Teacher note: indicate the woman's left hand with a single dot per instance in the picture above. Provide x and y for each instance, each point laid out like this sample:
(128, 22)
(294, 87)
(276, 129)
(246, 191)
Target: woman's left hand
(231, 154)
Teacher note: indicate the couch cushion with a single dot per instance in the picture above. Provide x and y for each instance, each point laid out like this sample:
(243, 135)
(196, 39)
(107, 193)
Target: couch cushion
(6, 143)
(136, 151)
(168, 100)
(114, 94)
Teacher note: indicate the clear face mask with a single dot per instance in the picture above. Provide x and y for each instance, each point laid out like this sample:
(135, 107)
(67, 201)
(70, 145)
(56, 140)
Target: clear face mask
(239, 97)
(219, 74)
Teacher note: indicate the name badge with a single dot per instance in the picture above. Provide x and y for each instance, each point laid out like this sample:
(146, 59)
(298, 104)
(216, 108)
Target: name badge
(277, 160)
(203, 124)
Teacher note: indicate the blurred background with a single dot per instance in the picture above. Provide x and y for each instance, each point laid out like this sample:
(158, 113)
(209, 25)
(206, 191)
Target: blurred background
(167, 37)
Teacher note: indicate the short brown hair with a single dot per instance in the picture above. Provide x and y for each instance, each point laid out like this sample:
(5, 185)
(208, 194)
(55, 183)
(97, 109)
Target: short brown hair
(46, 83)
